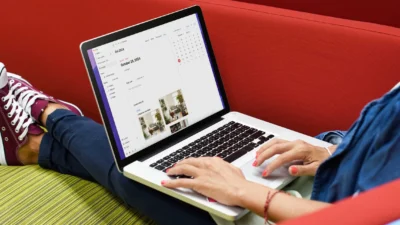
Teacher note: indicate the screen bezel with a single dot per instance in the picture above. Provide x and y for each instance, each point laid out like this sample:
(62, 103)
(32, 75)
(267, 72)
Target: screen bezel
(85, 46)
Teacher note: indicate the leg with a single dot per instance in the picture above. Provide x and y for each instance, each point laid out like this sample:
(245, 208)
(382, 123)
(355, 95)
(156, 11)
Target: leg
(87, 142)
(52, 155)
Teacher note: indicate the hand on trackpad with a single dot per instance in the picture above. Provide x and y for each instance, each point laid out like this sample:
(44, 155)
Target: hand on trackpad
(274, 180)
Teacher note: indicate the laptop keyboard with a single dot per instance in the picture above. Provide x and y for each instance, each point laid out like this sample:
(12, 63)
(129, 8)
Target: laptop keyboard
(229, 142)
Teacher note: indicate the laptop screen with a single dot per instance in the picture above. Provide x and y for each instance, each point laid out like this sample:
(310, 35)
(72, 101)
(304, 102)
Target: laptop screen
(155, 83)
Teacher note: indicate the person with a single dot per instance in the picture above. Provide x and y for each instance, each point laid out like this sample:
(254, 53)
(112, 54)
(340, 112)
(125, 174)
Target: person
(78, 146)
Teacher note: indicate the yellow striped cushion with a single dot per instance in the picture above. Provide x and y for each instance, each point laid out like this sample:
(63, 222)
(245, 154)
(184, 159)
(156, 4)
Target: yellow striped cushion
(32, 195)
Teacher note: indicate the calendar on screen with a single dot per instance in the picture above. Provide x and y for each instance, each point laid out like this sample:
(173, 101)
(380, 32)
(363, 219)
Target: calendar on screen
(188, 44)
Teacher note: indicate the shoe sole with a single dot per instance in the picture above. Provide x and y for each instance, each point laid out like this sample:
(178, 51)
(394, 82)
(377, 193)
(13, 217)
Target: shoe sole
(3, 160)
(15, 76)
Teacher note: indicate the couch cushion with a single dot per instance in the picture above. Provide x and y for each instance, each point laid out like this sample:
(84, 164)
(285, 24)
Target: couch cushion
(31, 195)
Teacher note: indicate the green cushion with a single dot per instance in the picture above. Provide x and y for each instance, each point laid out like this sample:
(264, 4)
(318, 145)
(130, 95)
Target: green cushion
(32, 195)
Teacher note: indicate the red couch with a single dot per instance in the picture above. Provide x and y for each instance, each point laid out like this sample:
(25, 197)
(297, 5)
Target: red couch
(307, 72)
(380, 12)
(378, 206)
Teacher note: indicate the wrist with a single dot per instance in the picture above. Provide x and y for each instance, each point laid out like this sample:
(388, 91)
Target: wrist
(250, 193)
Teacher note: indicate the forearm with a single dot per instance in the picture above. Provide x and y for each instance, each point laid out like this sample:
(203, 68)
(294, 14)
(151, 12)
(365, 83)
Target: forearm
(281, 207)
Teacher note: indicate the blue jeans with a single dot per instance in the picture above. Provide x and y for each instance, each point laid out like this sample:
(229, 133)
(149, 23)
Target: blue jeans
(79, 146)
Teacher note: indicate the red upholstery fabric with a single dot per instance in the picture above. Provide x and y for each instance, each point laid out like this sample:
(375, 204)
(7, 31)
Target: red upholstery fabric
(378, 206)
(307, 72)
(381, 12)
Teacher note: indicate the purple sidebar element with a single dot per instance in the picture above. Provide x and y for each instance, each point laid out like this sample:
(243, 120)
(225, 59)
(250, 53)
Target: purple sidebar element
(106, 104)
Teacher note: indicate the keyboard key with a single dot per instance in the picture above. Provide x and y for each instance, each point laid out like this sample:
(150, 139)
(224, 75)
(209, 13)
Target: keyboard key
(237, 125)
(214, 152)
(197, 147)
(174, 159)
(220, 129)
(153, 165)
(171, 161)
(250, 146)
(185, 153)
(231, 142)
(241, 144)
(243, 135)
(246, 141)
(165, 164)
(201, 152)
(263, 138)
(208, 154)
(231, 129)
(260, 142)
(236, 139)
(195, 155)
(251, 131)
(257, 134)
(192, 150)
(235, 155)
(206, 149)
(159, 161)
(236, 132)
(223, 154)
(212, 145)
(235, 148)
(270, 136)
(159, 168)
(230, 151)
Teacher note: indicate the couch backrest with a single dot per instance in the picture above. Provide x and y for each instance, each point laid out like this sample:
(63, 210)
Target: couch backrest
(380, 12)
(306, 72)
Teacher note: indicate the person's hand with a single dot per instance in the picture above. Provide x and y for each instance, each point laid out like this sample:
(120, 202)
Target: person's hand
(212, 177)
(312, 156)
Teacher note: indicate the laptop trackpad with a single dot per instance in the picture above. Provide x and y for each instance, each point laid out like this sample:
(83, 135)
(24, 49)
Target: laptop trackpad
(274, 180)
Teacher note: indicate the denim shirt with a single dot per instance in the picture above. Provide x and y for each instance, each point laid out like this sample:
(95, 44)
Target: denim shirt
(368, 156)
(334, 137)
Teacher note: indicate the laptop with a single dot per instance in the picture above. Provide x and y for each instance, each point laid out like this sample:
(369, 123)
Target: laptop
(162, 100)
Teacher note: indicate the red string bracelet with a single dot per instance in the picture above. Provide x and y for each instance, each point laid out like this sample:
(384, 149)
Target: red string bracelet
(266, 206)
